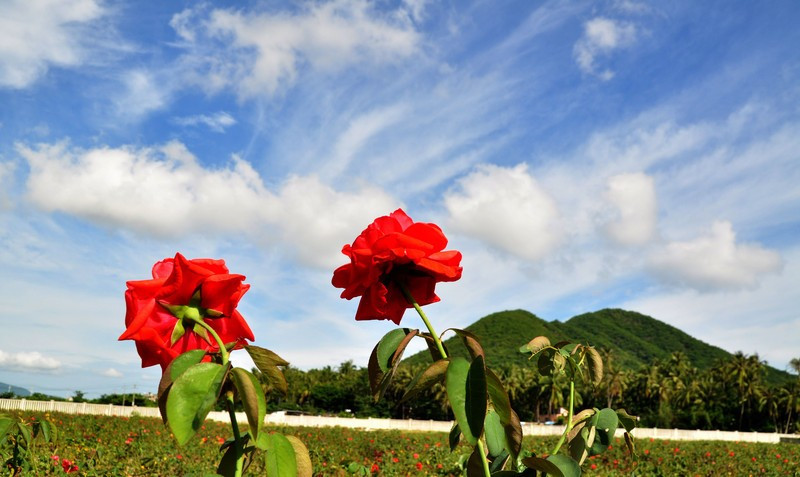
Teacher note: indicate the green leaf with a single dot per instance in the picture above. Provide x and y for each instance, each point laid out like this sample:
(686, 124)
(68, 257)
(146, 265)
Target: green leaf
(175, 369)
(45, 427)
(385, 358)
(227, 465)
(627, 421)
(495, 434)
(304, 466)
(280, 459)
(253, 401)
(5, 425)
(432, 348)
(514, 435)
(387, 347)
(26, 433)
(192, 396)
(594, 364)
(629, 443)
(275, 378)
(545, 362)
(535, 345)
(566, 466)
(607, 420)
(470, 342)
(185, 361)
(263, 357)
(475, 464)
(498, 396)
(454, 437)
(467, 393)
(427, 378)
(542, 465)
(498, 462)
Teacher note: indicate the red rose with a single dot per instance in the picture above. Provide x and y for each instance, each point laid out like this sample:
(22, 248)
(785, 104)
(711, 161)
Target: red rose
(199, 287)
(391, 250)
(68, 466)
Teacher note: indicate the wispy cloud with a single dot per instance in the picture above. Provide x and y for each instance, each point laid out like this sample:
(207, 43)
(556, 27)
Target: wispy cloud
(216, 122)
(39, 34)
(257, 53)
(600, 37)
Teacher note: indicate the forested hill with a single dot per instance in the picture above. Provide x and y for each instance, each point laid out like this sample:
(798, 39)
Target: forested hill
(635, 339)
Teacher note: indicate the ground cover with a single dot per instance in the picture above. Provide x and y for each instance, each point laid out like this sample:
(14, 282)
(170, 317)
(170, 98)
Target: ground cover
(137, 446)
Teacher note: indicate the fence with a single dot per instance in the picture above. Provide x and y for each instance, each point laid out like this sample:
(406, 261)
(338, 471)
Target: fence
(282, 419)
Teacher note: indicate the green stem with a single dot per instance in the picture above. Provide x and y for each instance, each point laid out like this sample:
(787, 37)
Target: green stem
(421, 313)
(569, 417)
(222, 350)
(237, 438)
(440, 347)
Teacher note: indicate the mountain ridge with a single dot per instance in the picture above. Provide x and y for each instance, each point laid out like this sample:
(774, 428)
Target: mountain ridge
(634, 338)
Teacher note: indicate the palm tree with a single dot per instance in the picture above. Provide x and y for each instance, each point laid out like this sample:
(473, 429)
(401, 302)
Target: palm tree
(745, 373)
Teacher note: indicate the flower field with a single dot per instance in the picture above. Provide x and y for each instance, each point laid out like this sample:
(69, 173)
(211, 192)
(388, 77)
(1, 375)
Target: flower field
(116, 446)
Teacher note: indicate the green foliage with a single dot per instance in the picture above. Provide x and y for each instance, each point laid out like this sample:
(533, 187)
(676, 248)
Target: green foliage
(635, 339)
(20, 441)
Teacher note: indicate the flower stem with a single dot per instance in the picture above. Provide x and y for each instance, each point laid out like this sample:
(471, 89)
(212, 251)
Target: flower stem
(222, 351)
(440, 347)
(237, 438)
(427, 322)
(569, 417)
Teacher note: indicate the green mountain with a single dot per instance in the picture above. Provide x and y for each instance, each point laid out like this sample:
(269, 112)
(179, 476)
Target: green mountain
(634, 338)
(18, 391)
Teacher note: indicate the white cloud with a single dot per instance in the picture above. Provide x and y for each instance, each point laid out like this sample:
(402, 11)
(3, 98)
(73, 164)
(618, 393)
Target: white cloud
(634, 197)
(216, 122)
(715, 261)
(28, 361)
(257, 53)
(165, 192)
(111, 373)
(763, 320)
(162, 191)
(40, 33)
(319, 220)
(142, 94)
(506, 208)
(601, 36)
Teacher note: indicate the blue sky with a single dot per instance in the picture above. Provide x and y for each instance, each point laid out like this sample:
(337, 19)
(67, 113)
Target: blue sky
(581, 155)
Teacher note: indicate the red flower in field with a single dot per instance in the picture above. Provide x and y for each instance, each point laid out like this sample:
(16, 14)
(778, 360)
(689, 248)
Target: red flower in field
(395, 460)
(375, 468)
(593, 466)
(161, 311)
(731, 453)
(68, 466)
(416, 456)
(419, 465)
(394, 250)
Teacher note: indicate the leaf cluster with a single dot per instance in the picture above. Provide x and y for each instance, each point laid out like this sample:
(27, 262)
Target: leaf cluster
(18, 439)
(190, 388)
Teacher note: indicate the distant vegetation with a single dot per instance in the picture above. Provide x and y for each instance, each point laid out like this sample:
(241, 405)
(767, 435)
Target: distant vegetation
(653, 370)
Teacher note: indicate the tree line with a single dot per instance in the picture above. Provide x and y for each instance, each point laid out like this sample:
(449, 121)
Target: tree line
(668, 393)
